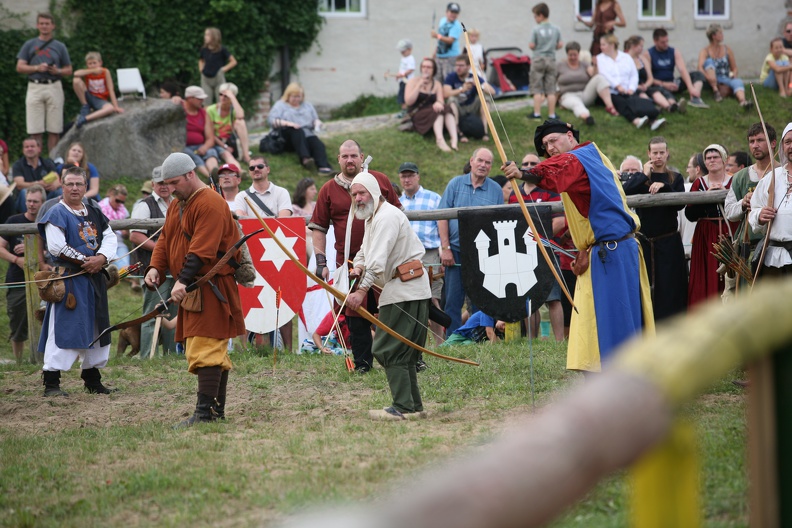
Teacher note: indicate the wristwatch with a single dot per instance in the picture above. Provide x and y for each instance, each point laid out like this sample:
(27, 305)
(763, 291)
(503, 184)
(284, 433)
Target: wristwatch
(446, 247)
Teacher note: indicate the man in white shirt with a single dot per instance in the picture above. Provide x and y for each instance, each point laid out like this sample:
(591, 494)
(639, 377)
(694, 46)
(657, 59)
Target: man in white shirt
(229, 179)
(269, 199)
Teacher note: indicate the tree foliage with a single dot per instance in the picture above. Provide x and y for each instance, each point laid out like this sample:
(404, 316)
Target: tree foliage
(163, 38)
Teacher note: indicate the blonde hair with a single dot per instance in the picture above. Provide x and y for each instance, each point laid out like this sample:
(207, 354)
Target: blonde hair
(610, 38)
(231, 87)
(215, 39)
(291, 89)
(474, 31)
(93, 55)
(84, 161)
(712, 30)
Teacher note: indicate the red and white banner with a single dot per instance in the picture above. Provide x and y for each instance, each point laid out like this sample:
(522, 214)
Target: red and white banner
(274, 270)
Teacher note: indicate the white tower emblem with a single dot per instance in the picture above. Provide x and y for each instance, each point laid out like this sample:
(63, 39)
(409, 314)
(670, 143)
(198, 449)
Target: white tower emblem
(507, 266)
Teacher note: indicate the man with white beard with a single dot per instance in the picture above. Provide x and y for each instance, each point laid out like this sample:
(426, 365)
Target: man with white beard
(390, 259)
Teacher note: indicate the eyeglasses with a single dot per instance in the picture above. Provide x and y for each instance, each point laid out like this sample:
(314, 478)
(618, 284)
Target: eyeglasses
(530, 163)
(120, 201)
(74, 184)
(260, 166)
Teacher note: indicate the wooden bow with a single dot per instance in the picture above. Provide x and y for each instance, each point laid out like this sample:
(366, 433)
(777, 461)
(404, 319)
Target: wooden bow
(505, 161)
(340, 296)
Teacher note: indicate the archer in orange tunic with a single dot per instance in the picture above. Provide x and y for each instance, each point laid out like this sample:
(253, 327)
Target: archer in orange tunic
(198, 231)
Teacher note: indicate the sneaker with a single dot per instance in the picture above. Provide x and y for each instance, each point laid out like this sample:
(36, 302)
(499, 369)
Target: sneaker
(657, 123)
(552, 116)
(696, 102)
(81, 121)
(641, 122)
(85, 110)
(401, 114)
(420, 366)
(534, 116)
(388, 413)
(361, 370)
(673, 108)
(589, 120)
(325, 171)
(682, 103)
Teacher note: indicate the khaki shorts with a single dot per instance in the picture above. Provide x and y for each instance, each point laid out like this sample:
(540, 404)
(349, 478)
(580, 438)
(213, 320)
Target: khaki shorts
(44, 108)
(543, 76)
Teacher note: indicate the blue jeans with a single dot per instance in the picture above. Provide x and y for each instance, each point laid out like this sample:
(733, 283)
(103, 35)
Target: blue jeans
(455, 295)
(735, 84)
(198, 160)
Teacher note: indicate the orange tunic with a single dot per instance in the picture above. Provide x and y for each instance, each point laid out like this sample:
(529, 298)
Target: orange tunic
(207, 219)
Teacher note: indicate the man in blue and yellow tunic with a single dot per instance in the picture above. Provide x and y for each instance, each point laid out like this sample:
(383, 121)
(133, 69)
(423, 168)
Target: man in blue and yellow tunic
(79, 238)
(612, 294)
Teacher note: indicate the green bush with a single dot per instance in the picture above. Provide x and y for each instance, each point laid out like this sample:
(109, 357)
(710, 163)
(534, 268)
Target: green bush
(163, 38)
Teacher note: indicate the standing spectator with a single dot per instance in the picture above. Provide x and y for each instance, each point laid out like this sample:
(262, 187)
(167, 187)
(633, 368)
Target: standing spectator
(612, 293)
(424, 97)
(777, 259)
(776, 70)
(606, 17)
(270, 200)
(720, 67)
(472, 189)
(95, 90)
(229, 179)
(214, 63)
(114, 208)
(661, 241)
(448, 35)
(31, 169)
(477, 49)
(12, 249)
(79, 238)
(620, 71)
(154, 206)
(190, 245)
(533, 194)
(332, 208)
(405, 73)
(304, 198)
(415, 198)
(228, 119)
(579, 85)
(705, 281)
(737, 161)
(45, 61)
(388, 243)
(76, 155)
(664, 60)
(545, 40)
(299, 122)
(200, 133)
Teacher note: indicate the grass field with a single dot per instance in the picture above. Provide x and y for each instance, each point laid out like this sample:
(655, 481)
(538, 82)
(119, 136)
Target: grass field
(299, 434)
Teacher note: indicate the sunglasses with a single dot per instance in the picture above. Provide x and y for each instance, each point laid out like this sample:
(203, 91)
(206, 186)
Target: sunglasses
(260, 166)
(120, 201)
(530, 164)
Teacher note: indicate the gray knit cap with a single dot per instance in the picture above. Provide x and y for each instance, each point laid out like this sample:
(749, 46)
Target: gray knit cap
(176, 165)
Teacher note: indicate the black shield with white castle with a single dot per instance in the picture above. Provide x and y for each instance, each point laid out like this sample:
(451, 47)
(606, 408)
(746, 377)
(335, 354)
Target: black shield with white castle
(502, 265)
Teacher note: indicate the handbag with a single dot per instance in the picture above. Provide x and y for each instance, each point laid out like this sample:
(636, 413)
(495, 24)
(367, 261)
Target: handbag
(409, 270)
(193, 301)
(274, 142)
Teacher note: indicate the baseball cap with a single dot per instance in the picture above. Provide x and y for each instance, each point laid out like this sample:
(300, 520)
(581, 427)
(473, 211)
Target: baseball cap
(408, 166)
(453, 7)
(404, 44)
(229, 167)
(156, 174)
(195, 91)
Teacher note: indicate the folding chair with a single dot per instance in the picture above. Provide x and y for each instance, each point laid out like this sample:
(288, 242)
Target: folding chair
(130, 81)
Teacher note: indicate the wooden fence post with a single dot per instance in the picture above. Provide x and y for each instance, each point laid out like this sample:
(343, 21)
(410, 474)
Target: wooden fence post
(34, 326)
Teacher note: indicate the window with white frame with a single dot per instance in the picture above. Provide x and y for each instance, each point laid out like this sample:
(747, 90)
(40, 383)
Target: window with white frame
(654, 9)
(342, 8)
(712, 9)
(584, 8)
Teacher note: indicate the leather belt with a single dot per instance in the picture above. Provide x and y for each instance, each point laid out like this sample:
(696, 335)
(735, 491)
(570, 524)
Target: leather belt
(43, 81)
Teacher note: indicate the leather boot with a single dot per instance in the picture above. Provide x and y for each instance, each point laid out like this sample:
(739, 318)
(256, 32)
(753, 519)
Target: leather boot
(93, 382)
(52, 383)
(219, 405)
(204, 412)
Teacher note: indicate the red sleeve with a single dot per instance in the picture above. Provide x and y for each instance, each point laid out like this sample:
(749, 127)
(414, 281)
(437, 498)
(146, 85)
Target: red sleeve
(326, 325)
(564, 173)
(321, 213)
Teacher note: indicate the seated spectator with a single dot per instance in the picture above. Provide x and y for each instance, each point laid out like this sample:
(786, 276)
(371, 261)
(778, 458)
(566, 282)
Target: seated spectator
(505, 186)
(94, 88)
(622, 75)
(579, 85)
(630, 165)
(31, 169)
(737, 161)
(200, 134)
(114, 209)
(720, 68)
(634, 47)
(478, 328)
(776, 70)
(298, 121)
(229, 178)
(4, 159)
(664, 60)
(76, 155)
(337, 344)
(304, 198)
(228, 118)
(425, 101)
(460, 93)
(170, 90)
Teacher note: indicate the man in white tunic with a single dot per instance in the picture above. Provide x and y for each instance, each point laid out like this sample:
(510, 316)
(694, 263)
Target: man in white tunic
(79, 238)
(388, 243)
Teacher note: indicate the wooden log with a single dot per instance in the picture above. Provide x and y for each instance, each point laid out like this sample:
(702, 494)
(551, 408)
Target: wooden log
(31, 242)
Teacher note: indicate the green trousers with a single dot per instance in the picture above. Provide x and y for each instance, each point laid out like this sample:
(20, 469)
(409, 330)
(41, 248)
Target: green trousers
(408, 319)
